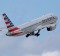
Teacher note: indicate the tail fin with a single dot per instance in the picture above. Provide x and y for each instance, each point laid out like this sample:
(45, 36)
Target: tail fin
(9, 24)
(7, 21)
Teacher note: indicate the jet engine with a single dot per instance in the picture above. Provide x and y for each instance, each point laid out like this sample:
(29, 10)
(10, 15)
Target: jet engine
(51, 28)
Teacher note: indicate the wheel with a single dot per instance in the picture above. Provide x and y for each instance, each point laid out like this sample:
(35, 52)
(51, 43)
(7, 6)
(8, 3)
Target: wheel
(27, 35)
(37, 34)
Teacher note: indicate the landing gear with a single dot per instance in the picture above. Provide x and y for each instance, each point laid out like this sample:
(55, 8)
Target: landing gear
(27, 35)
(37, 34)
(32, 33)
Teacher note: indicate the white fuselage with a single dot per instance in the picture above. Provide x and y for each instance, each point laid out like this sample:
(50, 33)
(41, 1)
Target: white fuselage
(39, 23)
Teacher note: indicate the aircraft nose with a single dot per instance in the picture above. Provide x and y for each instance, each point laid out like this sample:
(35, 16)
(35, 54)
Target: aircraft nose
(56, 18)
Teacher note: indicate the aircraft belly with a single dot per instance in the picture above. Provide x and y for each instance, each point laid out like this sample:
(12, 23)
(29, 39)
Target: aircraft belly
(29, 29)
(38, 25)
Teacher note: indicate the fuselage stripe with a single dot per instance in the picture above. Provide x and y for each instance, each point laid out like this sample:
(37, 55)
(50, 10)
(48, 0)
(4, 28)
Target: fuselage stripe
(11, 30)
(7, 22)
(16, 33)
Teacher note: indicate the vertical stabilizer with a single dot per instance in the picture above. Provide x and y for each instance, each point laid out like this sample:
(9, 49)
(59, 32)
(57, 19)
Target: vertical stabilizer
(9, 24)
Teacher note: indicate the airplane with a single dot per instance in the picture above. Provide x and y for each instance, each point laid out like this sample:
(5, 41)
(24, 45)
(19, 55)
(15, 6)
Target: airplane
(48, 21)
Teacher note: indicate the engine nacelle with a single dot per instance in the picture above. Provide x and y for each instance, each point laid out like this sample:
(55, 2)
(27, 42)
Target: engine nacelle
(51, 28)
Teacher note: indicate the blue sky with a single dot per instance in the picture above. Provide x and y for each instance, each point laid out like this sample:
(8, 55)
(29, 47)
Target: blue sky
(21, 11)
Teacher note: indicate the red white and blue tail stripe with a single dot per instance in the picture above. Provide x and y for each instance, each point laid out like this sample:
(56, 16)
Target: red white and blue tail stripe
(9, 24)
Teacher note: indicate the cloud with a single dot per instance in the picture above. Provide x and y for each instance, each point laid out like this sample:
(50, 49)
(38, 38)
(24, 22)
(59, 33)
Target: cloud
(53, 53)
(29, 46)
(49, 53)
(31, 55)
(36, 46)
(29, 43)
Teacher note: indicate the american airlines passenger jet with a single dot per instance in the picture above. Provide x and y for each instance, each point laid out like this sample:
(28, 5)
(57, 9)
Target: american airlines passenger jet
(48, 21)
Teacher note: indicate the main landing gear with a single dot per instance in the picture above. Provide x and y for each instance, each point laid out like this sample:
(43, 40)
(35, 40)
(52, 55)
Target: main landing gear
(37, 34)
(32, 33)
